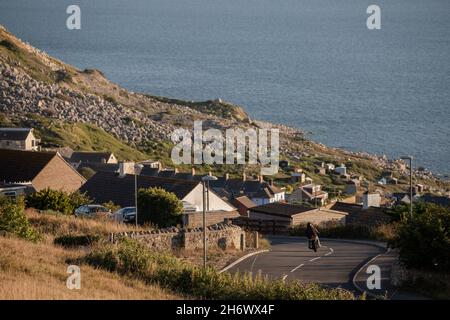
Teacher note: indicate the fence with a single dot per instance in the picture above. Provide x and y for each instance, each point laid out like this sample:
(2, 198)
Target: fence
(262, 226)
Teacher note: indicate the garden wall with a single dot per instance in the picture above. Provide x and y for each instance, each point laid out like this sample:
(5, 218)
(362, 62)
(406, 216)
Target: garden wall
(220, 236)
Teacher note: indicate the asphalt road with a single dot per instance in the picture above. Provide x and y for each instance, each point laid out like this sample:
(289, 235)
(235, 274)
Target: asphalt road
(333, 265)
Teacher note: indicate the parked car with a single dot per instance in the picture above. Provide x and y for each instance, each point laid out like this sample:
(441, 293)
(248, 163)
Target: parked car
(127, 214)
(92, 210)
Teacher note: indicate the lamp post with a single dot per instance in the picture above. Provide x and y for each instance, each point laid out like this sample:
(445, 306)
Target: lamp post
(137, 170)
(205, 184)
(410, 159)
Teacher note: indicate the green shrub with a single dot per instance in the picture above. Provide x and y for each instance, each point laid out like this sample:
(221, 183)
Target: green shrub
(159, 207)
(13, 219)
(128, 257)
(70, 241)
(111, 206)
(424, 240)
(48, 199)
(134, 259)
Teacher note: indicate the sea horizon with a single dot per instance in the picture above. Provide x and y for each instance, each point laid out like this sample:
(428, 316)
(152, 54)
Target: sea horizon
(383, 92)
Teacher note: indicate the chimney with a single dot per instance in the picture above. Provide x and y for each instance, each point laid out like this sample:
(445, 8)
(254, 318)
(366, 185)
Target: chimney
(261, 178)
(226, 176)
(244, 177)
(193, 171)
(176, 170)
(159, 166)
(122, 171)
(271, 182)
(210, 173)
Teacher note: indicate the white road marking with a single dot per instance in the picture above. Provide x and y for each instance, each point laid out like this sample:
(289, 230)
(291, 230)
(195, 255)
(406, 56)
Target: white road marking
(284, 278)
(299, 266)
(253, 264)
(315, 259)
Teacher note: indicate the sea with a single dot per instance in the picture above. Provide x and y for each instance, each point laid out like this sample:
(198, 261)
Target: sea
(311, 64)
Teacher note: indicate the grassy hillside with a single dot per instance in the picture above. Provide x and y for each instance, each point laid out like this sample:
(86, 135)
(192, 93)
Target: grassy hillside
(39, 271)
(78, 136)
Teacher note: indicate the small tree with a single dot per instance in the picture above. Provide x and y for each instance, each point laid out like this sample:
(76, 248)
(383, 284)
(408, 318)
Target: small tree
(424, 240)
(56, 200)
(157, 206)
(13, 219)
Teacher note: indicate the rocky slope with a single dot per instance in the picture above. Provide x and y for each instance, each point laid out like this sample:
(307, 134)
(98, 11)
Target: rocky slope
(35, 86)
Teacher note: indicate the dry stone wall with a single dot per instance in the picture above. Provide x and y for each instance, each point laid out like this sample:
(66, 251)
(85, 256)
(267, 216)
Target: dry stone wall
(219, 236)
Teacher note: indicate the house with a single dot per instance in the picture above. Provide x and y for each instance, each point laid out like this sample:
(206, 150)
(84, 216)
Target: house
(77, 158)
(371, 199)
(419, 188)
(156, 170)
(401, 198)
(293, 214)
(120, 189)
(37, 171)
(330, 167)
(320, 170)
(258, 191)
(360, 215)
(127, 167)
(443, 201)
(298, 176)
(18, 139)
(267, 194)
(351, 186)
(311, 193)
(243, 205)
(341, 170)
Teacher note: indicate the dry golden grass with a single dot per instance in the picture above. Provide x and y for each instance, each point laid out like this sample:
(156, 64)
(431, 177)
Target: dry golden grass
(58, 225)
(38, 271)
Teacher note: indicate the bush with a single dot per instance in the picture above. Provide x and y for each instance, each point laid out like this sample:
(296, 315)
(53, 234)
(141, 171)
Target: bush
(13, 219)
(159, 207)
(134, 259)
(70, 241)
(55, 200)
(382, 232)
(111, 206)
(424, 241)
(128, 257)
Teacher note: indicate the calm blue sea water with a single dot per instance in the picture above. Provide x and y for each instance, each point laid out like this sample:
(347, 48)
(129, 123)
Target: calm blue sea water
(307, 63)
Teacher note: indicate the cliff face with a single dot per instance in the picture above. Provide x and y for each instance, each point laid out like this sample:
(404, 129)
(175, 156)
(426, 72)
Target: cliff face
(84, 110)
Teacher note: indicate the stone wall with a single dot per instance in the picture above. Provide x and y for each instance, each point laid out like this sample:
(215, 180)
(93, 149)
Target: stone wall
(219, 236)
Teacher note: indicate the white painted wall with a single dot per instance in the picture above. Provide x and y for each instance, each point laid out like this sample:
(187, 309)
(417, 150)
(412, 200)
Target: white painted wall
(215, 202)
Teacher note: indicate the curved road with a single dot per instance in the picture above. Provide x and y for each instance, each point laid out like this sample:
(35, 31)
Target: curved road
(333, 265)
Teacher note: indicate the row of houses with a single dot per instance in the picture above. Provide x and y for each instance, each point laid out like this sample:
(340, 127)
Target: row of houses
(22, 172)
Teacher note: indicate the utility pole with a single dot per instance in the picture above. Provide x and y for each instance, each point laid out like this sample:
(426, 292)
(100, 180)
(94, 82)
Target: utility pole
(410, 159)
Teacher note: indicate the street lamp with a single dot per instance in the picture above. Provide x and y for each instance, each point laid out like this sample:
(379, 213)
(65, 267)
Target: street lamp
(137, 170)
(410, 159)
(205, 184)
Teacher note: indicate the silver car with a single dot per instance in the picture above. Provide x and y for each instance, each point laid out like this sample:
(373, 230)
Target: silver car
(92, 210)
(127, 214)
